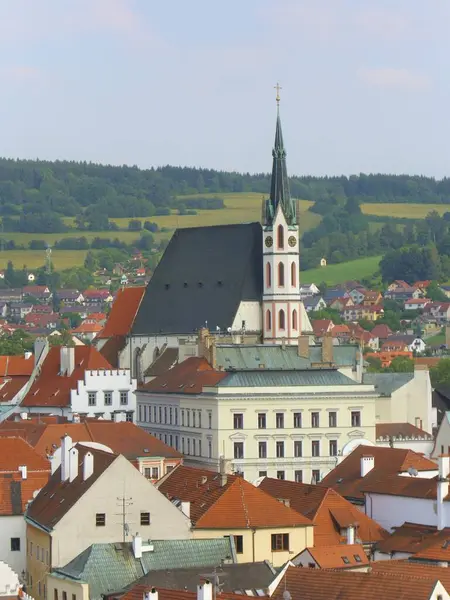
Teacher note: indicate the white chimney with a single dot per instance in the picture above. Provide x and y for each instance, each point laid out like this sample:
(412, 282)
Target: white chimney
(205, 591)
(73, 464)
(186, 509)
(23, 470)
(76, 418)
(88, 465)
(151, 595)
(367, 464)
(24, 416)
(137, 546)
(350, 535)
(67, 360)
(28, 355)
(66, 445)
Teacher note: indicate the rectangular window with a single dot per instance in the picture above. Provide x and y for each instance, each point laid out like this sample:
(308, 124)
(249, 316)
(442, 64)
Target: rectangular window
(165, 414)
(193, 420)
(123, 398)
(280, 475)
(315, 448)
(262, 449)
(333, 448)
(64, 596)
(279, 418)
(200, 447)
(145, 518)
(129, 416)
(55, 594)
(200, 419)
(107, 398)
(182, 445)
(298, 476)
(159, 414)
(170, 415)
(297, 420)
(280, 542)
(147, 472)
(315, 475)
(155, 472)
(92, 397)
(239, 543)
(194, 445)
(15, 544)
(332, 419)
(238, 421)
(280, 449)
(315, 421)
(100, 519)
(188, 445)
(113, 416)
(74, 597)
(176, 415)
(238, 449)
(182, 417)
(262, 474)
(356, 418)
(261, 420)
(298, 449)
(209, 449)
(188, 417)
(209, 420)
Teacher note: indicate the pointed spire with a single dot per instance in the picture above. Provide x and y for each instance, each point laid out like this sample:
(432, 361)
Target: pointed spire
(279, 185)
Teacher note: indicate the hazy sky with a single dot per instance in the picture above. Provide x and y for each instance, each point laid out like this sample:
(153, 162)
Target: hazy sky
(190, 82)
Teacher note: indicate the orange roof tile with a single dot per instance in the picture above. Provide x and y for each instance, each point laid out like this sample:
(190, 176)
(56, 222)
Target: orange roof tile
(410, 570)
(235, 504)
(15, 452)
(412, 538)
(400, 430)
(52, 389)
(139, 591)
(11, 366)
(123, 312)
(340, 556)
(328, 511)
(10, 387)
(346, 478)
(187, 377)
(87, 328)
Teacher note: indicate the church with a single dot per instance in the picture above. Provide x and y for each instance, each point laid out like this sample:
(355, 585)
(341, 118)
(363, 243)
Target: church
(241, 282)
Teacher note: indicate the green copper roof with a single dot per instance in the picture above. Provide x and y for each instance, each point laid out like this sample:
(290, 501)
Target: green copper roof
(111, 567)
(387, 383)
(279, 185)
(277, 357)
(264, 378)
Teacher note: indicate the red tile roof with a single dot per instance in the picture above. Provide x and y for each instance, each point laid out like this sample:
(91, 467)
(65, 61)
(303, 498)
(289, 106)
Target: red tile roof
(52, 389)
(341, 556)
(15, 451)
(139, 591)
(236, 504)
(87, 328)
(321, 326)
(406, 570)
(413, 538)
(188, 377)
(381, 331)
(328, 511)
(12, 366)
(10, 387)
(123, 312)
(400, 430)
(409, 487)
(346, 478)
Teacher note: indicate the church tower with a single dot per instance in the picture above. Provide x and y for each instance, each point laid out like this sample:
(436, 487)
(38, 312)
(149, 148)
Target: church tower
(281, 305)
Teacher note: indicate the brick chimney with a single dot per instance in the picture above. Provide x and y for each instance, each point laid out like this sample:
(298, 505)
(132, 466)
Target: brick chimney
(327, 349)
(303, 346)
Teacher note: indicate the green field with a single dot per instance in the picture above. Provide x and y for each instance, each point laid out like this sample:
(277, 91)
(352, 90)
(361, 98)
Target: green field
(403, 210)
(61, 259)
(333, 274)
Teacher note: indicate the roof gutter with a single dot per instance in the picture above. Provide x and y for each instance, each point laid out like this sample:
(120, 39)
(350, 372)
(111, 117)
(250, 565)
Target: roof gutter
(31, 521)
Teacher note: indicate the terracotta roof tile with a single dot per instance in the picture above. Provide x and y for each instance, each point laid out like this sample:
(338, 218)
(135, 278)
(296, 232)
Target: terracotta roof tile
(15, 452)
(340, 556)
(412, 538)
(123, 312)
(400, 430)
(406, 570)
(58, 497)
(138, 592)
(52, 389)
(381, 331)
(409, 487)
(13, 366)
(10, 387)
(321, 326)
(112, 348)
(188, 377)
(236, 504)
(87, 328)
(346, 478)
(328, 511)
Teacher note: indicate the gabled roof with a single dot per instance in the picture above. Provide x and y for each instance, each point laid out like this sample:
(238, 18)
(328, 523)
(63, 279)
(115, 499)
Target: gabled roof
(413, 538)
(340, 556)
(209, 269)
(12, 366)
(123, 312)
(52, 389)
(109, 568)
(318, 584)
(187, 377)
(321, 326)
(232, 504)
(346, 478)
(56, 499)
(329, 512)
(381, 331)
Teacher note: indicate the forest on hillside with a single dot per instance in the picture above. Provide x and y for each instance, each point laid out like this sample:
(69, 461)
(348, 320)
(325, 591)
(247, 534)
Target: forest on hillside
(36, 195)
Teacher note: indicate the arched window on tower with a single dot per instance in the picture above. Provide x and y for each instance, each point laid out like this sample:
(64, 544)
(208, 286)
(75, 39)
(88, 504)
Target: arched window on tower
(293, 275)
(281, 320)
(268, 275)
(281, 274)
(268, 320)
(280, 237)
(294, 320)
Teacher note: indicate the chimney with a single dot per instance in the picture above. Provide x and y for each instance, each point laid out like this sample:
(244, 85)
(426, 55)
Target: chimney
(327, 349)
(76, 418)
(213, 354)
(88, 465)
(28, 355)
(24, 416)
(350, 535)
(67, 360)
(137, 546)
(205, 591)
(303, 346)
(66, 445)
(151, 595)
(186, 509)
(225, 466)
(223, 479)
(367, 464)
(73, 464)
(23, 470)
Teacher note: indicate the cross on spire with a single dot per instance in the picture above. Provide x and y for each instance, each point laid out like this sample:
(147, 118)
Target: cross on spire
(278, 88)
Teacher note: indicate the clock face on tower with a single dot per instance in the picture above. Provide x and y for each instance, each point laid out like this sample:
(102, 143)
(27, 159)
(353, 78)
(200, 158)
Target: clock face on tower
(269, 241)
(292, 241)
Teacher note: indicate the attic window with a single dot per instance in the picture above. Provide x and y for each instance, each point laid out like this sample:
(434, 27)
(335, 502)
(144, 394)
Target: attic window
(164, 385)
(357, 557)
(146, 450)
(346, 560)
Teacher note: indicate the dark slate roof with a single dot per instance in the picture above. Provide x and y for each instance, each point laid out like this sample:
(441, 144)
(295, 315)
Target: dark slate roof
(263, 378)
(202, 277)
(387, 383)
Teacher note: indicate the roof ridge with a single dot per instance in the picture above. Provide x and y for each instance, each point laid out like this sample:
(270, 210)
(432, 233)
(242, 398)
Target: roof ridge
(246, 513)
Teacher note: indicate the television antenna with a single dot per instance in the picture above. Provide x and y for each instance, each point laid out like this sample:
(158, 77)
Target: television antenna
(124, 504)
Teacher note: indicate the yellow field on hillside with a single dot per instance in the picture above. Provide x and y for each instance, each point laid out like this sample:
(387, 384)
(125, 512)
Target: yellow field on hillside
(32, 259)
(403, 210)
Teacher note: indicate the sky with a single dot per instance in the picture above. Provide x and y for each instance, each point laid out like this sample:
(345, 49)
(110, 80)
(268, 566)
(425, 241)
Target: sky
(365, 83)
